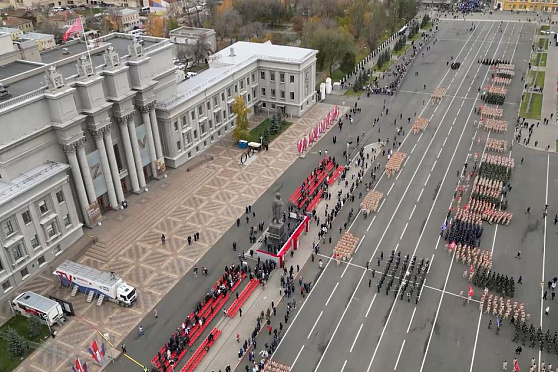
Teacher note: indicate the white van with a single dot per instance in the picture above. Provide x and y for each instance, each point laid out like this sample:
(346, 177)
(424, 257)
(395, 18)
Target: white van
(145, 9)
(56, 9)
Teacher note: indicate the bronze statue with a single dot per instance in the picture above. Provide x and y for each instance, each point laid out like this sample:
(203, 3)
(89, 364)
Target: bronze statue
(277, 209)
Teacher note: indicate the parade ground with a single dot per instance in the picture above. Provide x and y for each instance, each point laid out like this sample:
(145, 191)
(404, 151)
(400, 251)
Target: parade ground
(344, 323)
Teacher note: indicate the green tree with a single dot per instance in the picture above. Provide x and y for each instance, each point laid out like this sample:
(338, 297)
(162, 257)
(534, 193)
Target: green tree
(241, 132)
(357, 14)
(17, 345)
(274, 124)
(376, 24)
(34, 325)
(348, 62)
(333, 44)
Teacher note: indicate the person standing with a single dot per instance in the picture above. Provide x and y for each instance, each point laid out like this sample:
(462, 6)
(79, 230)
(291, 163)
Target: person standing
(123, 347)
(547, 310)
(155, 313)
(505, 365)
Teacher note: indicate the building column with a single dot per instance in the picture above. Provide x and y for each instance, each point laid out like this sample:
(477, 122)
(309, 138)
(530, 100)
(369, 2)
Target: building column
(70, 151)
(136, 151)
(123, 124)
(145, 118)
(98, 135)
(113, 165)
(87, 179)
(156, 135)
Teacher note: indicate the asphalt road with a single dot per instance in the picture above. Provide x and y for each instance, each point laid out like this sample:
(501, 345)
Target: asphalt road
(352, 328)
(345, 325)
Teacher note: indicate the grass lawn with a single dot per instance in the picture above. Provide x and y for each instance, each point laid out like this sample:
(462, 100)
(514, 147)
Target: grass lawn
(415, 37)
(544, 28)
(535, 61)
(543, 43)
(540, 78)
(259, 130)
(427, 26)
(556, 145)
(536, 107)
(400, 52)
(351, 92)
(20, 324)
(384, 66)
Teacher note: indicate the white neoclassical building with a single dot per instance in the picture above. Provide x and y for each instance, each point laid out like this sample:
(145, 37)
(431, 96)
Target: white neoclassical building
(84, 128)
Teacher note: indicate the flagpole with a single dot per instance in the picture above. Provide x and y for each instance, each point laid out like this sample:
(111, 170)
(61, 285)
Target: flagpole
(86, 43)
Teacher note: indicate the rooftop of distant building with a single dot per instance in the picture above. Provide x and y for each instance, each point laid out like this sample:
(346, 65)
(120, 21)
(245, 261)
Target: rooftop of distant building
(193, 31)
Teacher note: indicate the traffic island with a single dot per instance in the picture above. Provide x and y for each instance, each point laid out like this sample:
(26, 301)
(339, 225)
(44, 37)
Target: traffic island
(535, 109)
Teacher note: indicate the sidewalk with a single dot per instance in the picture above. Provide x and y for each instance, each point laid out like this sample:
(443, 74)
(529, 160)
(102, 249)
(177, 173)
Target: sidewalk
(225, 351)
(547, 135)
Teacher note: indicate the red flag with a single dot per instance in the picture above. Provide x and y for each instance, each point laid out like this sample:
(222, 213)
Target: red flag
(74, 29)
(78, 365)
(471, 292)
(471, 270)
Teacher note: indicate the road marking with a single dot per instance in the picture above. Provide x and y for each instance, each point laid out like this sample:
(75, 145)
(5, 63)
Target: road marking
(369, 226)
(358, 246)
(421, 191)
(544, 242)
(433, 166)
(397, 246)
(431, 260)
(413, 148)
(370, 307)
(344, 364)
(356, 338)
(390, 188)
(413, 211)
(404, 229)
(476, 339)
(338, 324)
(381, 205)
(332, 292)
(314, 326)
(411, 321)
(297, 355)
(399, 356)
(398, 173)
(406, 160)
(445, 140)
(427, 178)
(420, 136)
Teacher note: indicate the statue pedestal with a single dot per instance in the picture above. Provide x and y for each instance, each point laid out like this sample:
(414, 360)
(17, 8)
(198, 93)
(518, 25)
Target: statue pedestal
(276, 231)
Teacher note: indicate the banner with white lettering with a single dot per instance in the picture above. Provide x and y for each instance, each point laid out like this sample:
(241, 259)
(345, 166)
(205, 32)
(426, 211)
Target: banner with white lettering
(97, 174)
(143, 145)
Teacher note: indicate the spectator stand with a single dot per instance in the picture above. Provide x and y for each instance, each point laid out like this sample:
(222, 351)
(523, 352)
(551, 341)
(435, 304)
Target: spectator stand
(291, 243)
(246, 292)
(201, 351)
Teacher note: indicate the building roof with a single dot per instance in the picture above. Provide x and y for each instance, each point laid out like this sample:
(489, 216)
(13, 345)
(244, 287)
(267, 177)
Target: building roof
(10, 30)
(28, 180)
(127, 11)
(21, 13)
(14, 22)
(90, 273)
(225, 63)
(38, 36)
(15, 68)
(191, 31)
(64, 16)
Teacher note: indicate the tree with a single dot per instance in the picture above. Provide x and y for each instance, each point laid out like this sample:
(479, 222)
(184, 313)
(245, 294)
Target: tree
(274, 124)
(240, 132)
(227, 22)
(376, 21)
(17, 345)
(49, 27)
(357, 13)
(252, 31)
(333, 46)
(200, 50)
(34, 325)
(348, 62)
(155, 26)
(172, 24)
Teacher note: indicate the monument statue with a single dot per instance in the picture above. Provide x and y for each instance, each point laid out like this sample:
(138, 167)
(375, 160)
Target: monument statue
(277, 209)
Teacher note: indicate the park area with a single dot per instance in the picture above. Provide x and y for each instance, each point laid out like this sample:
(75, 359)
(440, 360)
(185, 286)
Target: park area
(19, 336)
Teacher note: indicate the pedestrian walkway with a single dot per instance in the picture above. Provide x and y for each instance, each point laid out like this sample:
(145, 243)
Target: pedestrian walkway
(207, 200)
(546, 135)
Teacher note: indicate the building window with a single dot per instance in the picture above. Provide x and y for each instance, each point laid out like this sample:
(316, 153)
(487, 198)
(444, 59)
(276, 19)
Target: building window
(8, 228)
(60, 197)
(228, 92)
(253, 77)
(178, 147)
(282, 94)
(26, 217)
(249, 98)
(264, 105)
(50, 230)
(6, 286)
(195, 133)
(281, 77)
(176, 126)
(1, 267)
(273, 106)
(215, 100)
(292, 96)
(262, 75)
(235, 89)
(24, 273)
(248, 80)
(35, 242)
(223, 96)
(57, 250)
(188, 138)
(263, 92)
(16, 252)
(291, 79)
(272, 93)
(271, 75)
(41, 261)
(67, 218)
(210, 124)
(208, 106)
(241, 84)
(43, 207)
(202, 129)
(193, 114)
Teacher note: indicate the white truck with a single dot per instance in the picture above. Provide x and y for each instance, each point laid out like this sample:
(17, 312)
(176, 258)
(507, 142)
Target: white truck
(31, 304)
(95, 283)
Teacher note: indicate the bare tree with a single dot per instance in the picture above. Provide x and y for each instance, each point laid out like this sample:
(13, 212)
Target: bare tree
(200, 51)
(252, 30)
(227, 23)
